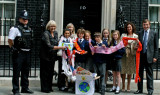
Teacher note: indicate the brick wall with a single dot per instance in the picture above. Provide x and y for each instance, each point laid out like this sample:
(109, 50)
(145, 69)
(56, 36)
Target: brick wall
(35, 10)
(134, 11)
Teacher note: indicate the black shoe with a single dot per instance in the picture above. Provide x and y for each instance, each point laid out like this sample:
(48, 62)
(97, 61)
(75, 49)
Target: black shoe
(138, 92)
(97, 90)
(117, 92)
(66, 89)
(63, 89)
(27, 91)
(112, 90)
(45, 91)
(16, 93)
(102, 92)
(51, 90)
(73, 89)
(149, 93)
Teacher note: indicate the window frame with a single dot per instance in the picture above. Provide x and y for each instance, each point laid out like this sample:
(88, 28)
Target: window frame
(154, 22)
(4, 38)
(153, 5)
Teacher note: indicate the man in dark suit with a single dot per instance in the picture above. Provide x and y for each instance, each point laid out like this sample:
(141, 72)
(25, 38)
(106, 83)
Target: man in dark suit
(149, 55)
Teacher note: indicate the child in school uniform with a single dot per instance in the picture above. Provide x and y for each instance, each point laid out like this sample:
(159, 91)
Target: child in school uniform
(100, 62)
(90, 65)
(89, 57)
(63, 79)
(80, 58)
(116, 62)
(106, 38)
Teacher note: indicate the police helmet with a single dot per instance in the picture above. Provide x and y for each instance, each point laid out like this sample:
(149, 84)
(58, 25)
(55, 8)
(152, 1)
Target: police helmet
(23, 14)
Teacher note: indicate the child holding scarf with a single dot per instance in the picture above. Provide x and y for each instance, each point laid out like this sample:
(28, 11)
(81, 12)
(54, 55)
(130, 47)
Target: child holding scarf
(116, 62)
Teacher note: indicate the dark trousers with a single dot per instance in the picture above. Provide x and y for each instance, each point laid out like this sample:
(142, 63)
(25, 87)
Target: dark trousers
(61, 77)
(101, 71)
(21, 63)
(149, 73)
(46, 74)
(96, 81)
(89, 64)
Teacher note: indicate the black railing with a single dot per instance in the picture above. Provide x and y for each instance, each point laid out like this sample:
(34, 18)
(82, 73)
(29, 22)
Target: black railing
(156, 27)
(6, 56)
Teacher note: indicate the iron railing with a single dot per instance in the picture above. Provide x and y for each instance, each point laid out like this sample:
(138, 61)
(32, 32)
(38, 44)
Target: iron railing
(6, 56)
(156, 27)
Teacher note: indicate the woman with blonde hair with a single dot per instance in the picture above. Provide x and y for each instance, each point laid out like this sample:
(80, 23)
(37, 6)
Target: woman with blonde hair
(72, 28)
(48, 52)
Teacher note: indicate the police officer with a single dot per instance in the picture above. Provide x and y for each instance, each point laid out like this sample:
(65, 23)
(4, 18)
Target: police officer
(20, 41)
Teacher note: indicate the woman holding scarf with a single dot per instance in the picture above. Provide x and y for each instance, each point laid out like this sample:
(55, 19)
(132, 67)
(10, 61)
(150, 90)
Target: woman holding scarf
(128, 60)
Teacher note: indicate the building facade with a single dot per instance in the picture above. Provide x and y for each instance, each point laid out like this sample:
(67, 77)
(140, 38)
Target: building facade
(93, 15)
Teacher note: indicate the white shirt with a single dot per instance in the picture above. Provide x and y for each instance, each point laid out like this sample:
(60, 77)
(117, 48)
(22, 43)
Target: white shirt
(13, 33)
(99, 43)
(80, 39)
(105, 39)
(65, 39)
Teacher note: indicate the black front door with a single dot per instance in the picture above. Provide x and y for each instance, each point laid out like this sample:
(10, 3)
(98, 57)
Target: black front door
(83, 14)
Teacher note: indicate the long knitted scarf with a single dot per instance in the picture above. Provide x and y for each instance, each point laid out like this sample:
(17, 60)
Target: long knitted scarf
(122, 44)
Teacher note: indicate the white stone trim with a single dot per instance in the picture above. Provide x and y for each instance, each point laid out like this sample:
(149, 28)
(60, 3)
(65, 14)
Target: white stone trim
(56, 13)
(108, 14)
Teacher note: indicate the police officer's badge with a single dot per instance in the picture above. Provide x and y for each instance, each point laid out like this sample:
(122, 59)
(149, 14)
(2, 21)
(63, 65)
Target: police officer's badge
(25, 13)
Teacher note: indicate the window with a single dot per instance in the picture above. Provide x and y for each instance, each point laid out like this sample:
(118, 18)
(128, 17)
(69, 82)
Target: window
(7, 18)
(154, 13)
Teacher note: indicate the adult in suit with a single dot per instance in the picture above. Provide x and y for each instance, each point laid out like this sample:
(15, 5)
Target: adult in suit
(149, 55)
(48, 53)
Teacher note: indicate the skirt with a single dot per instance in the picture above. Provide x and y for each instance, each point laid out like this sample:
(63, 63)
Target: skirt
(116, 65)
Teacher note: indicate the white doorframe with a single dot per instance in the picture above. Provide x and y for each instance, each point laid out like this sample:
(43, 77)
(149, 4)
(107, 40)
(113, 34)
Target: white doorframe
(108, 14)
(108, 19)
(56, 13)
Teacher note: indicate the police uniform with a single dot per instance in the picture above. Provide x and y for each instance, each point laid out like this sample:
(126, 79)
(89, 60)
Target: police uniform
(21, 35)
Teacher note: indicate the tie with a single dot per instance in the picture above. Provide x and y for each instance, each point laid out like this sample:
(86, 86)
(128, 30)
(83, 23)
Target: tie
(105, 40)
(99, 44)
(115, 42)
(145, 42)
(67, 41)
(80, 41)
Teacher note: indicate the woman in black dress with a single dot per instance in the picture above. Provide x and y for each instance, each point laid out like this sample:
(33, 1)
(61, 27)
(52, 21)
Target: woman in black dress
(48, 53)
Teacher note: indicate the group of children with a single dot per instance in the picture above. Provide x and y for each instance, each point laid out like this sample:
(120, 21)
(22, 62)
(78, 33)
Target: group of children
(96, 62)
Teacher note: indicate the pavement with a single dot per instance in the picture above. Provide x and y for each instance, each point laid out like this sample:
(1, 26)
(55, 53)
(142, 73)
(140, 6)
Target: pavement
(6, 88)
(34, 85)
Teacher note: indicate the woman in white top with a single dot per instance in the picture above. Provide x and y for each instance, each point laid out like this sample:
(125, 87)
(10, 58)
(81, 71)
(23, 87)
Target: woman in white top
(128, 60)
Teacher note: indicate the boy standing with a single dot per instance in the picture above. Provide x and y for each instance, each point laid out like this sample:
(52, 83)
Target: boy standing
(100, 62)
(80, 58)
